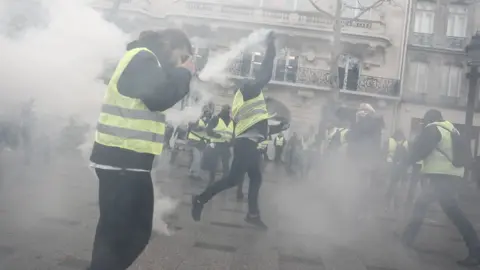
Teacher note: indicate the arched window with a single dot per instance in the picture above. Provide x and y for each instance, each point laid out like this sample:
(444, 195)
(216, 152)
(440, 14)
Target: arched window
(286, 68)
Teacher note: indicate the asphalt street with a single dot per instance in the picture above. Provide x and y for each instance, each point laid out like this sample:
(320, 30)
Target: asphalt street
(48, 214)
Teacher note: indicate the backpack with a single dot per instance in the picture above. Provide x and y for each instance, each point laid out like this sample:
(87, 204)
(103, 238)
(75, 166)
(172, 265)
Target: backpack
(461, 151)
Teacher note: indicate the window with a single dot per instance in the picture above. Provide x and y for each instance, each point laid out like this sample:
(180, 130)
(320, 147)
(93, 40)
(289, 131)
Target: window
(353, 8)
(452, 81)
(424, 18)
(418, 77)
(348, 72)
(251, 62)
(457, 21)
(286, 69)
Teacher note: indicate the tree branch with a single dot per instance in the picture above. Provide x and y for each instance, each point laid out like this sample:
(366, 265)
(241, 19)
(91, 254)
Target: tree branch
(314, 4)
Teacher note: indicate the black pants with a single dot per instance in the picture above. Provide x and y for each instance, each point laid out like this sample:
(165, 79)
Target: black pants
(441, 188)
(278, 154)
(397, 173)
(220, 152)
(415, 178)
(246, 159)
(125, 223)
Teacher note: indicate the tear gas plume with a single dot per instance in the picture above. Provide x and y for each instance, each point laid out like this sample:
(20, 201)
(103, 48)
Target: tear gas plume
(216, 69)
(215, 74)
(56, 60)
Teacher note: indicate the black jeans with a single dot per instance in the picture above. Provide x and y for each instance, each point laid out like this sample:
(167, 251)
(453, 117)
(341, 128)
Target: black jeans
(246, 159)
(278, 154)
(220, 152)
(441, 188)
(125, 223)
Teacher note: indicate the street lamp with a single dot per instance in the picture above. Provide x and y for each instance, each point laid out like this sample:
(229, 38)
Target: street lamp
(473, 58)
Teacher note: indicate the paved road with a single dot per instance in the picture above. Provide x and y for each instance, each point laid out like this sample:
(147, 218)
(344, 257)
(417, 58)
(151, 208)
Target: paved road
(48, 215)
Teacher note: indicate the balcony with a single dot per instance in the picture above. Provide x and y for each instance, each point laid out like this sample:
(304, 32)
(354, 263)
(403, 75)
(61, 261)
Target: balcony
(456, 43)
(320, 79)
(305, 21)
(421, 39)
(438, 42)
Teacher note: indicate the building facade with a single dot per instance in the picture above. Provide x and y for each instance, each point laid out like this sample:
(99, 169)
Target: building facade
(436, 66)
(369, 65)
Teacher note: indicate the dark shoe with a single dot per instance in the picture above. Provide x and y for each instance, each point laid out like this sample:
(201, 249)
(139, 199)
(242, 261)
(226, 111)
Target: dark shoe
(197, 207)
(470, 261)
(256, 221)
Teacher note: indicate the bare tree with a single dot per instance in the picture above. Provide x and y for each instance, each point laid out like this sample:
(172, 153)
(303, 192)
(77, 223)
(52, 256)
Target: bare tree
(337, 32)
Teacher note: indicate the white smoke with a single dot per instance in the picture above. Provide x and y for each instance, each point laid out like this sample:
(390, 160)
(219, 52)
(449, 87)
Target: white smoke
(58, 62)
(214, 75)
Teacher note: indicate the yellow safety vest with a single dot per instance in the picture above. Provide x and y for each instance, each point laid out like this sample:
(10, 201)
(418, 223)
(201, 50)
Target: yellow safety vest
(436, 162)
(263, 145)
(248, 113)
(392, 147)
(126, 122)
(343, 132)
(193, 137)
(224, 130)
(279, 141)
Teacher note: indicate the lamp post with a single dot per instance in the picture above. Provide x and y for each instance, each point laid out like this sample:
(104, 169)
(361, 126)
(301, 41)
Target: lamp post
(473, 57)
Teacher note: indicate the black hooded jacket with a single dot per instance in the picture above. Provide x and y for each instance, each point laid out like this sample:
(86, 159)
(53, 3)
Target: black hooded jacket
(158, 88)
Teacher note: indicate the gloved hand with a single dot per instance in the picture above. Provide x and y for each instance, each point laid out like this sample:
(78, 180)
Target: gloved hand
(212, 145)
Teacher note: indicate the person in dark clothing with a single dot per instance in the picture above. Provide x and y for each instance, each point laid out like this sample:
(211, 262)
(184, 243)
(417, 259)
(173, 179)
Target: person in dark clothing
(396, 149)
(249, 111)
(220, 129)
(441, 182)
(279, 144)
(169, 129)
(198, 139)
(153, 75)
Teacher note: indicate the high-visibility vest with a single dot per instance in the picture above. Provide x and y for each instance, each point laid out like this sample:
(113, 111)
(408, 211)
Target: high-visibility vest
(263, 145)
(224, 130)
(247, 113)
(279, 141)
(193, 137)
(126, 122)
(392, 148)
(436, 162)
(343, 132)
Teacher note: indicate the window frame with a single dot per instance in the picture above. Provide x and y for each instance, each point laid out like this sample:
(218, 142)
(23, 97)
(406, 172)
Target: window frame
(415, 84)
(422, 9)
(453, 16)
(447, 82)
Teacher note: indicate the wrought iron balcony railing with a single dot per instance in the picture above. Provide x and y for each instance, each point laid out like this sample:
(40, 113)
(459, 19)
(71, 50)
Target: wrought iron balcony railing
(421, 39)
(320, 78)
(456, 43)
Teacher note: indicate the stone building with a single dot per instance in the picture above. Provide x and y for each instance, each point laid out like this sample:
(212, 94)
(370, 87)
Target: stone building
(371, 45)
(435, 74)
(402, 56)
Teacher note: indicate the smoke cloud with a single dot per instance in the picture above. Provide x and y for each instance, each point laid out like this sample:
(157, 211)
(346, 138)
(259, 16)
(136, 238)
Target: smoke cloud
(56, 60)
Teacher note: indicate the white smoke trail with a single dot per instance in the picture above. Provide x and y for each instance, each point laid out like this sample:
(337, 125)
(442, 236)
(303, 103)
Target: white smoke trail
(214, 75)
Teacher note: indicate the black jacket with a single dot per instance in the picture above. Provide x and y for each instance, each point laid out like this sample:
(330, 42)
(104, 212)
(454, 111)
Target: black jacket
(424, 144)
(158, 89)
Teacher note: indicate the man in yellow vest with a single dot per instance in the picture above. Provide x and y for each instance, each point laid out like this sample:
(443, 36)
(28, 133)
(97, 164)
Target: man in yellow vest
(250, 116)
(152, 76)
(198, 139)
(220, 131)
(396, 152)
(279, 142)
(434, 146)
